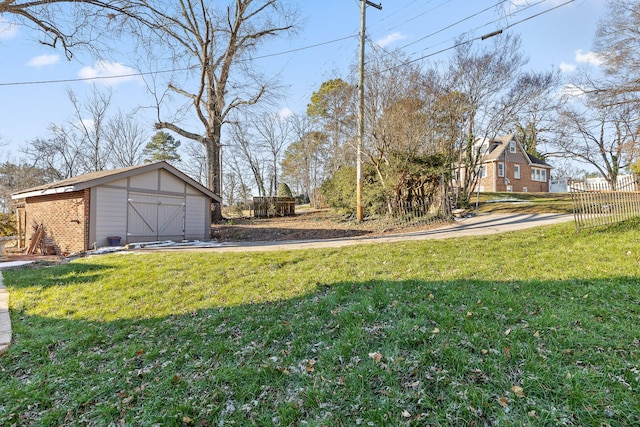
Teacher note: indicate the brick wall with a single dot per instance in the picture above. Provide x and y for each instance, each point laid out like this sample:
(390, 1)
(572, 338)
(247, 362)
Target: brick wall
(65, 218)
(517, 185)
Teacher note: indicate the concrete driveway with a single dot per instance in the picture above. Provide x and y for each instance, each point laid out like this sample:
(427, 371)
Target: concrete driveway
(474, 226)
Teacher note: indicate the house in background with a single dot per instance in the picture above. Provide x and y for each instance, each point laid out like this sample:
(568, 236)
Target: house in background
(507, 167)
(141, 203)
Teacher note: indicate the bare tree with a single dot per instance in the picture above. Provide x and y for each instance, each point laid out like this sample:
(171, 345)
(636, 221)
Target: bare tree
(536, 120)
(90, 122)
(126, 138)
(62, 152)
(20, 176)
(243, 147)
(215, 43)
(193, 161)
(74, 23)
(89, 141)
(603, 136)
(274, 133)
(241, 178)
(484, 77)
(617, 42)
(303, 162)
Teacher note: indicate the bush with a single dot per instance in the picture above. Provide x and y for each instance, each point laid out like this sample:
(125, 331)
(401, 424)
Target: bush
(284, 190)
(339, 191)
(8, 225)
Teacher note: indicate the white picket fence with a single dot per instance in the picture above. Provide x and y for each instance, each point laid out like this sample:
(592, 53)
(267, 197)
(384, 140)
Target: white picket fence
(596, 204)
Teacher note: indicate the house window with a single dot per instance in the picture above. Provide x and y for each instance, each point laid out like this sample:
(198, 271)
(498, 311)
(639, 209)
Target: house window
(539, 175)
(525, 189)
(483, 171)
(516, 171)
(512, 147)
(509, 188)
(500, 169)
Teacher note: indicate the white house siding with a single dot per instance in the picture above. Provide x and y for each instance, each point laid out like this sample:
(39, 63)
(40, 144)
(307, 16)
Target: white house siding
(144, 181)
(171, 183)
(197, 222)
(110, 214)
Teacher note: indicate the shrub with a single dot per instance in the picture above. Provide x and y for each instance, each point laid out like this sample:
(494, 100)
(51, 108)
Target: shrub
(7, 225)
(284, 190)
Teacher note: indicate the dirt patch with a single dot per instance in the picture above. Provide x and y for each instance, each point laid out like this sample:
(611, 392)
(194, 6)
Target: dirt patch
(315, 225)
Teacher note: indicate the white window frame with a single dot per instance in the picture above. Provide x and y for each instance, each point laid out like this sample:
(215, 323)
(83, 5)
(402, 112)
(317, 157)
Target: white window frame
(483, 171)
(512, 146)
(501, 169)
(516, 171)
(539, 175)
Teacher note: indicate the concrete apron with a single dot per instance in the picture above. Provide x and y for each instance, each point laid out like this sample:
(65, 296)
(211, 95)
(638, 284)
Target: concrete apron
(5, 320)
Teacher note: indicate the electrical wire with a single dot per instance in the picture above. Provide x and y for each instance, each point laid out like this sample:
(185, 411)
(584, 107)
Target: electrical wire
(139, 74)
(478, 38)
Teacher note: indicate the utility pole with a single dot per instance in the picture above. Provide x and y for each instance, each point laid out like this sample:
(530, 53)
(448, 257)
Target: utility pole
(363, 28)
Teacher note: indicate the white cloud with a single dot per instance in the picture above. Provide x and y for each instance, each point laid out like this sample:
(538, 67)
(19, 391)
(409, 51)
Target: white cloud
(285, 113)
(394, 37)
(567, 68)
(108, 73)
(87, 123)
(8, 30)
(588, 58)
(42, 60)
(572, 90)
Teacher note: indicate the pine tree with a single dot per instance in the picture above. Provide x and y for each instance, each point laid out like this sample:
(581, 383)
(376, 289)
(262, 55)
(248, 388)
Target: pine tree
(163, 146)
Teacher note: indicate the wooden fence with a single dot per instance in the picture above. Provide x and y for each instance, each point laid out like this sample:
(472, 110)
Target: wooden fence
(596, 203)
(266, 207)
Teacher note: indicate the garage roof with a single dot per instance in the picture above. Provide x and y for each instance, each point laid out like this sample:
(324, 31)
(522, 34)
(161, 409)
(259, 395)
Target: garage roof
(94, 179)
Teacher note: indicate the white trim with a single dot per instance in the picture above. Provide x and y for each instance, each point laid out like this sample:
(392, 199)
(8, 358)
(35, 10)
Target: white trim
(47, 192)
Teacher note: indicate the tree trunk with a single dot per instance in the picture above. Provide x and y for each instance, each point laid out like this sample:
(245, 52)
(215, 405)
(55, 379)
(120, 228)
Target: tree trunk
(214, 182)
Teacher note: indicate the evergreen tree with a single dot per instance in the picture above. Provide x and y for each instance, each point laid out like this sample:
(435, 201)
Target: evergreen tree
(284, 190)
(163, 146)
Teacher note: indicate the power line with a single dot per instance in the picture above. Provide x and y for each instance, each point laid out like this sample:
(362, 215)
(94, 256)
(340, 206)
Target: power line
(483, 37)
(147, 73)
(449, 26)
(140, 74)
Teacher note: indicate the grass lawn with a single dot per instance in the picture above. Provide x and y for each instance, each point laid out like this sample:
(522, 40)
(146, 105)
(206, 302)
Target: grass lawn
(539, 327)
(523, 202)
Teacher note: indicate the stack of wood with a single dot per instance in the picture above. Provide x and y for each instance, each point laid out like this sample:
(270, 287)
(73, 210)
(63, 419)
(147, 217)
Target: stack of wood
(36, 239)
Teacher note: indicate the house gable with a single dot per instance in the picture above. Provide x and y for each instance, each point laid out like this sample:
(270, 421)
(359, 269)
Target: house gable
(510, 168)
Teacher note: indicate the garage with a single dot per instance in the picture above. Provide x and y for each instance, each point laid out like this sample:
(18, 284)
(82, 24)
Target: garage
(137, 204)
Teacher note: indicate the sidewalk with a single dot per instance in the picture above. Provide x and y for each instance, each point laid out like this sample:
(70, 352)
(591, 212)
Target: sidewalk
(480, 225)
(5, 320)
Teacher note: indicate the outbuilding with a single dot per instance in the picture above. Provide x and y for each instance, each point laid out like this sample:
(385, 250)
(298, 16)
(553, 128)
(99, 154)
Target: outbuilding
(150, 202)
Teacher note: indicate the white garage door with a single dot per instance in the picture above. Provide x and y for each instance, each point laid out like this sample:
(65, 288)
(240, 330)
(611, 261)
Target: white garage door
(155, 217)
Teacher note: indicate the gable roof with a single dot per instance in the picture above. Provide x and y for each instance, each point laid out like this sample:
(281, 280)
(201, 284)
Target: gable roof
(497, 146)
(94, 179)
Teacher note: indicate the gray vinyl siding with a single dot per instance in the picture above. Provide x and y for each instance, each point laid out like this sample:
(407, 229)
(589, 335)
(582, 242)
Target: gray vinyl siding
(197, 224)
(110, 214)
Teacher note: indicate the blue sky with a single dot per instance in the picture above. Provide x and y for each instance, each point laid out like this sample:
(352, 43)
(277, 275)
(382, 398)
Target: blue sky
(560, 38)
